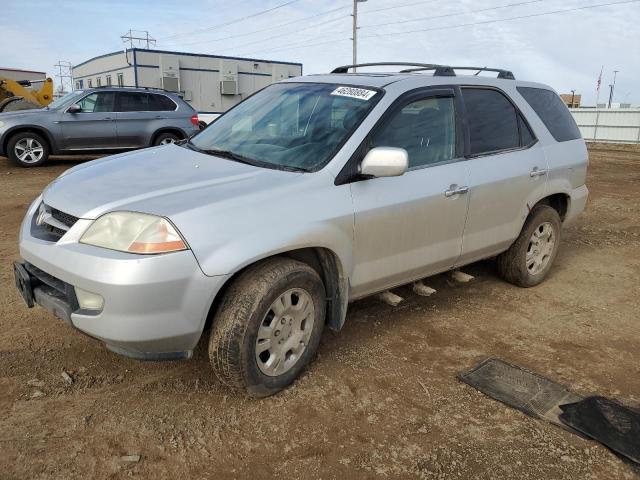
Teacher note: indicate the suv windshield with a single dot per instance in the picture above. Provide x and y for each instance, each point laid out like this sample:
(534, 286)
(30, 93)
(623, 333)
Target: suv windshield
(289, 125)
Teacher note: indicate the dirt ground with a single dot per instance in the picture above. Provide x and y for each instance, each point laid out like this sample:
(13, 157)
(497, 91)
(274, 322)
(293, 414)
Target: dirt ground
(381, 399)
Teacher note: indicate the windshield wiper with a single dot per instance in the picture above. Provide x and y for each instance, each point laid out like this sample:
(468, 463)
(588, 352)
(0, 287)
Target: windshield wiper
(232, 156)
(242, 159)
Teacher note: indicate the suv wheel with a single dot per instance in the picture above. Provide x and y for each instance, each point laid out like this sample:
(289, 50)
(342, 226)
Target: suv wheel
(529, 259)
(28, 149)
(268, 326)
(166, 139)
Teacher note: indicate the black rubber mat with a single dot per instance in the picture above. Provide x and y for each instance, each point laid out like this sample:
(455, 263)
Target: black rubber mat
(526, 391)
(608, 422)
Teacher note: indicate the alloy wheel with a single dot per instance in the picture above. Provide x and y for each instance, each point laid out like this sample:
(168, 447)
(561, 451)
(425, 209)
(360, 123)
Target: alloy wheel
(29, 150)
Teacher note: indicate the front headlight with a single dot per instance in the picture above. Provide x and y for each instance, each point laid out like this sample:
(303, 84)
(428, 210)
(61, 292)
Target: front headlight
(134, 233)
(1, 124)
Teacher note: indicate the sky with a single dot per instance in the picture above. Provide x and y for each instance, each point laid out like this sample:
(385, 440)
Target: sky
(562, 43)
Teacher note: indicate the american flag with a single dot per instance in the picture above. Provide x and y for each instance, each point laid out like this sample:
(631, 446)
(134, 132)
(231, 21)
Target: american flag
(600, 78)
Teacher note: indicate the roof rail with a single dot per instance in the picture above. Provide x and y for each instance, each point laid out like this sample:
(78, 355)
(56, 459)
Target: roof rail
(131, 86)
(439, 70)
(425, 66)
(450, 71)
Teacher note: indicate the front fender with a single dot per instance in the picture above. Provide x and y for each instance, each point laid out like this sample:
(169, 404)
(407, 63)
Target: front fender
(32, 127)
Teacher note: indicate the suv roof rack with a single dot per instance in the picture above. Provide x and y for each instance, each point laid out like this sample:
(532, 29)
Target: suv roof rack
(130, 86)
(439, 70)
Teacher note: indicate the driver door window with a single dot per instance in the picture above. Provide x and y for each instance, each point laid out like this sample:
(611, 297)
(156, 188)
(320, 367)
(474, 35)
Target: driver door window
(97, 102)
(426, 129)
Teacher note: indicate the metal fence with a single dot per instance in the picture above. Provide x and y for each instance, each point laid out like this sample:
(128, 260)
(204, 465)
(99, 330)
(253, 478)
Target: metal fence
(616, 125)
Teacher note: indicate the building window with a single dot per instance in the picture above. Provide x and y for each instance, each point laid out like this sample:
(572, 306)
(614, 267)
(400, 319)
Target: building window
(121, 80)
(108, 80)
(89, 83)
(98, 81)
(78, 84)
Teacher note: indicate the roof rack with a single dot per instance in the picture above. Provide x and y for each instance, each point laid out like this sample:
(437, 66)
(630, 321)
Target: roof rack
(345, 68)
(131, 86)
(439, 70)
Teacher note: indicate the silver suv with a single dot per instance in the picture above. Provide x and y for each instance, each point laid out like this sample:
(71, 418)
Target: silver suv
(104, 118)
(310, 194)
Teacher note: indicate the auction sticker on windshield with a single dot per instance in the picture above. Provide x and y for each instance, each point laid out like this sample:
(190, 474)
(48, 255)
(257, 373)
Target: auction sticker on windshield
(352, 92)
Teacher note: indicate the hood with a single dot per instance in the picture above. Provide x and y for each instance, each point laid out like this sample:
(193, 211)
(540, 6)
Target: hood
(164, 180)
(23, 113)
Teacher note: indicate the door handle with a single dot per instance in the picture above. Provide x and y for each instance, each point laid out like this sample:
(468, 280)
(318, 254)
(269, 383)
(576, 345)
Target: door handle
(107, 119)
(536, 172)
(455, 190)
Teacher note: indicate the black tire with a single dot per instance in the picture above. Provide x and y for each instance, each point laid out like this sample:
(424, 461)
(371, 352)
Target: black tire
(512, 264)
(165, 138)
(28, 138)
(245, 307)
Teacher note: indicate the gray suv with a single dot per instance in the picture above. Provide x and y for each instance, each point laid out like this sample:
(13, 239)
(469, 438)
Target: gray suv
(308, 195)
(96, 119)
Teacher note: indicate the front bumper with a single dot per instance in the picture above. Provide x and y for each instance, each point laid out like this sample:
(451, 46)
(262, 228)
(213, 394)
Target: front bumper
(155, 306)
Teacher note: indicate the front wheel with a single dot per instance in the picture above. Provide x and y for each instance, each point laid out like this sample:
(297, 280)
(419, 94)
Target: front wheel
(268, 326)
(529, 259)
(28, 149)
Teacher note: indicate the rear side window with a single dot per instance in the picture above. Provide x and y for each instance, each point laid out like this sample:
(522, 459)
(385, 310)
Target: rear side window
(526, 136)
(553, 113)
(160, 103)
(133, 102)
(493, 121)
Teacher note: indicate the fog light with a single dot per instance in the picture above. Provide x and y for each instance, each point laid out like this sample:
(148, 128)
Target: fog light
(88, 300)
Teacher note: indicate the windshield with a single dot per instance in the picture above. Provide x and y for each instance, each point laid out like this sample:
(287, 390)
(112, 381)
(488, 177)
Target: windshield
(290, 125)
(68, 99)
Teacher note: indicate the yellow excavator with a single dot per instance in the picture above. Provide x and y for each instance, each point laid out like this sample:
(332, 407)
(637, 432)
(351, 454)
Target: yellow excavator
(19, 94)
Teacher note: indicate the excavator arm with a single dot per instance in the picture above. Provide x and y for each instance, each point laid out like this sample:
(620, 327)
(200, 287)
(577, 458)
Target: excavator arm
(16, 95)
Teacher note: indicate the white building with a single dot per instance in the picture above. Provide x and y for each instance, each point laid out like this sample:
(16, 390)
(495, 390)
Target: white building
(210, 83)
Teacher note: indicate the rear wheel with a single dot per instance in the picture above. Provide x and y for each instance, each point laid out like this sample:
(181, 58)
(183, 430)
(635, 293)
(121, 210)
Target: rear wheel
(166, 139)
(529, 259)
(268, 326)
(28, 149)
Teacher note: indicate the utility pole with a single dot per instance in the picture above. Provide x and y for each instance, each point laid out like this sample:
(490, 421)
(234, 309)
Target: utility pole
(355, 31)
(140, 36)
(612, 86)
(64, 76)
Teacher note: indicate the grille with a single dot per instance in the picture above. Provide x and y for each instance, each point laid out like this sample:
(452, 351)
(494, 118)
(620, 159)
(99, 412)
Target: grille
(68, 220)
(54, 224)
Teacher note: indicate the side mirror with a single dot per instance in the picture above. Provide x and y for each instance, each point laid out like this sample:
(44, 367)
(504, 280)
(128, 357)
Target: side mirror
(75, 108)
(385, 162)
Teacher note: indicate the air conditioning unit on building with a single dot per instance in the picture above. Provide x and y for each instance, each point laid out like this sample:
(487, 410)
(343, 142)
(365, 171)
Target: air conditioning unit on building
(229, 78)
(170, 73)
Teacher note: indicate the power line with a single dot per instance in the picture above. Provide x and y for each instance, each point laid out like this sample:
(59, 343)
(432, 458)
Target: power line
(447, 27)
(364, 12)
(527, 2)
(230, 22)
(519, 17)
(267, 28)
(262, 40)
(518, 4)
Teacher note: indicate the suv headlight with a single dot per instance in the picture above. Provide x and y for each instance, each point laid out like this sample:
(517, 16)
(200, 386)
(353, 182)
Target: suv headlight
(134, 233)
